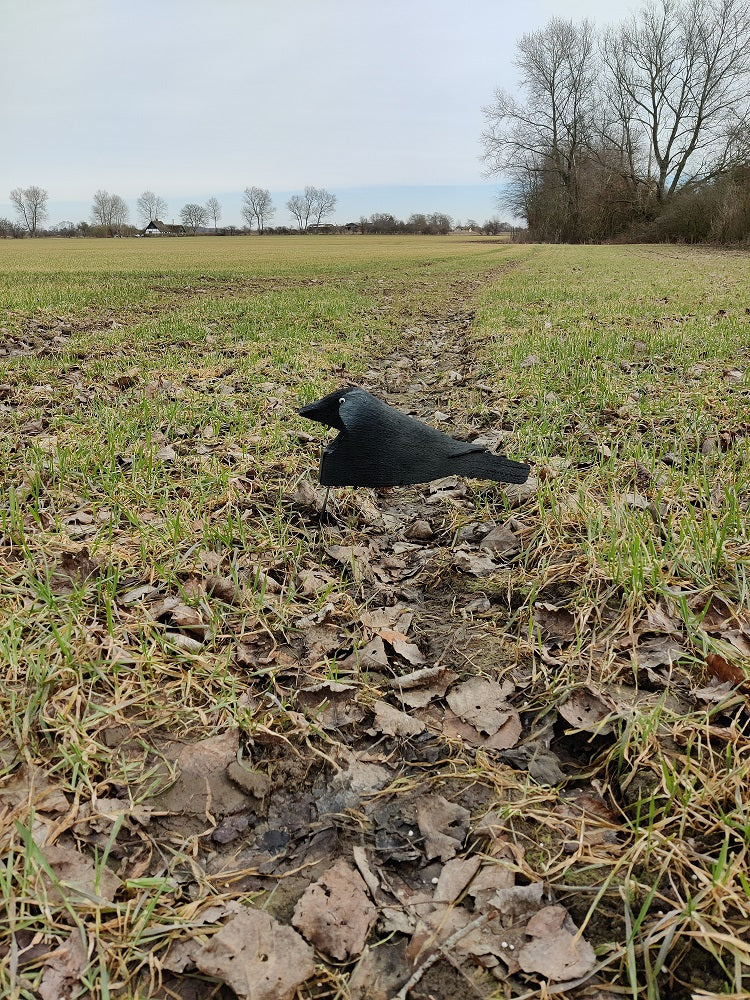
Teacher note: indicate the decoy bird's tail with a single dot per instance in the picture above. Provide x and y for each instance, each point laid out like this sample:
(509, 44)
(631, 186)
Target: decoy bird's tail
(483, 465)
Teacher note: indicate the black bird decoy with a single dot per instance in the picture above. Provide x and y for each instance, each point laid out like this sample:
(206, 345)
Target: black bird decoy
(380, 446)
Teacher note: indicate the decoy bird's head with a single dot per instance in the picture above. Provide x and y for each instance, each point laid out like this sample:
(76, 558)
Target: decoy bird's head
(326, 410)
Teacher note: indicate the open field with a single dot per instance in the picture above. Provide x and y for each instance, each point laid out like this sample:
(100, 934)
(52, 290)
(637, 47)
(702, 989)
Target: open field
(465, 740)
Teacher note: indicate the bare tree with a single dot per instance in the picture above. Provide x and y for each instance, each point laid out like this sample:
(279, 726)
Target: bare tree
(109, 210)
(257, 207)
(541, 141)
(680, 89)
(299, 209)
(213, 210)
(322, 203)
(31, 206)
(10, 230)
(311, 207)
(193, 216)
(382, 222)
(151, 207)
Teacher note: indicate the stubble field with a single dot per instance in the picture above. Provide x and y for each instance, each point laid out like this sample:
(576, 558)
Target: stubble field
(454, 741)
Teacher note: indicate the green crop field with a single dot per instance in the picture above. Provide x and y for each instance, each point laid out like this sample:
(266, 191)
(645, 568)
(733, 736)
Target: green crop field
(452, 740)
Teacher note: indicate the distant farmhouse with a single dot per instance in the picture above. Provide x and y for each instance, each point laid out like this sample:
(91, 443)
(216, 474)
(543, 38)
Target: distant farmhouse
(157, 228)
(329, 227)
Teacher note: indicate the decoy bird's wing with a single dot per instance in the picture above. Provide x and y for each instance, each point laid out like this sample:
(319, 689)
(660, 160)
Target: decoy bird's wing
(381, 446)
(368, 419)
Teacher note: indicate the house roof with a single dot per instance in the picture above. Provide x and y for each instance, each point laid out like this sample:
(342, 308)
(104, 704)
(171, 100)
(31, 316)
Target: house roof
(156, 225)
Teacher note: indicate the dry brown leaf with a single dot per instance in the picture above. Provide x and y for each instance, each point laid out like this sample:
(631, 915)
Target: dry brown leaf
(397, 616)
(311, 582)
(501, 541)
(63, 969)
(225, 589)
(418, 688)
(586, 709)
(392, 722)
(72, 570)
(519, 901)
(661, 620)
(474, 563)
(420, 530)
(355, 558)
(308, 497)
(482, 703)
(335, 913)
(320, 641)
(258, 957)
(454, 878)
(410, 651)
(261, 581)
(330, 704)
(557, 951)
(661, 651)
(78, 877)
(505, 736)
(557, 625)
(30, 784)
(739, 639)
(380, 972)
(723, 670)
(443, 825)
(371, 656)
(489, 881)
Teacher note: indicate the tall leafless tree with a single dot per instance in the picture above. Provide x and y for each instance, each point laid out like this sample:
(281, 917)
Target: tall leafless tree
(193, 216)
(541, 141)
(31, 206)
(213, 208)
(151, 207)
(299, 208)
(311, 207)
(257, 207)
(680, 88)
(322, 203)
(109, 210)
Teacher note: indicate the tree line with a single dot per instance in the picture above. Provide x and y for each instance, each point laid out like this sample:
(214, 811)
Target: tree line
(640, 131)
(110, 212)
(308, 212)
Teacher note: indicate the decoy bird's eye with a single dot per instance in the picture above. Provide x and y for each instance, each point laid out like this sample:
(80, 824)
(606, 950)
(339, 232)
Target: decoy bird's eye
(342, 400)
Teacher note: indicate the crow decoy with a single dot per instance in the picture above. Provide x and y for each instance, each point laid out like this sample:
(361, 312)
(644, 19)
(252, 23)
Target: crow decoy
(380, 446)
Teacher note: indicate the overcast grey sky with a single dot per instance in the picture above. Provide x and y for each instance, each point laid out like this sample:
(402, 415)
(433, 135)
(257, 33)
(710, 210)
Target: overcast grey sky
(377, 100)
